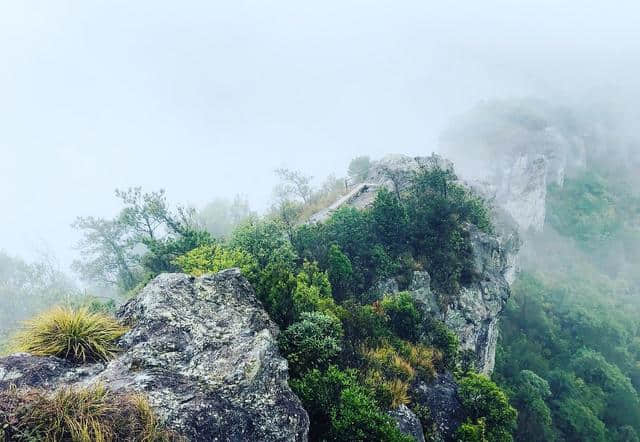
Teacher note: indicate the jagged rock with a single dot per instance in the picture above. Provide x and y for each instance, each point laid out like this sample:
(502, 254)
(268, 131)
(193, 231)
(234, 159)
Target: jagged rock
(203, 350)
(441, 398)
(408, 422)
(385, 287)
(420, 288)
(476, 310)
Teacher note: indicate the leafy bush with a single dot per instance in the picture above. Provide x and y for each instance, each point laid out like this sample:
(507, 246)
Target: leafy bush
(213, 258)
(82, 415)
(340, 272)
(313, 342)
(405, 318)
(484, 403)
(74, 334)
(341, 409)
(313, 291)
(439, 336)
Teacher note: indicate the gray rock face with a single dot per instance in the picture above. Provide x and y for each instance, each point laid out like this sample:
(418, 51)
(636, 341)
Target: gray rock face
(204, 352)
(420, 289)
(516, 160)
(408, 422)
(441, 397)
(475, 314)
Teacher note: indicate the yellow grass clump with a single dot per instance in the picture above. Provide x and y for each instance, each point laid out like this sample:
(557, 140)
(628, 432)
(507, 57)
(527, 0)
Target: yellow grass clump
(79, 415)
(77, 335)
(399, 392)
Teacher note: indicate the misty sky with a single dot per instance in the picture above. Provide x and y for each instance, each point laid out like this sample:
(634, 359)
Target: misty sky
(206, 98)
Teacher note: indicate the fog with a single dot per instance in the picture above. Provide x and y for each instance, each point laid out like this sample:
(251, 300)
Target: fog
(206, 99)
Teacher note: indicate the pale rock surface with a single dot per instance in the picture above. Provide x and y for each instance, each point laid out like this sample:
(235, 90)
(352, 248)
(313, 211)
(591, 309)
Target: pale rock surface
(203, 350)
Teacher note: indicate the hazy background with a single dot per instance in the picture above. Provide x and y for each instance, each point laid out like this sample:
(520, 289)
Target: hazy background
(206, 98)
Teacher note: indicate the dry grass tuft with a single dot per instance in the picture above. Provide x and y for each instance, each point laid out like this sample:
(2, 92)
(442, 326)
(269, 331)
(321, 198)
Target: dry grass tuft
(386, 359)
(424, 359)
(77, 335)
(399, 392)
(78, 415)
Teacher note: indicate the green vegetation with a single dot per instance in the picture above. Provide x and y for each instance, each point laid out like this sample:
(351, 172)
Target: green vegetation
(341, 409)
(92, 414)
(77, 335)
(570, 350)
(141, 242)
(312, 342)
(353, 352)
(490, 417)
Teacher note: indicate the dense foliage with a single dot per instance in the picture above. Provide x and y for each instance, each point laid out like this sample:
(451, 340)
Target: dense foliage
(570, 347)
(354, 351)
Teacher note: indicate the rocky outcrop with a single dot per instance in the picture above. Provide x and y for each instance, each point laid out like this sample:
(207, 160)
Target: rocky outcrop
(408, 422)
(474, 314)
(441, 398)
(203, 350)
(515, 149)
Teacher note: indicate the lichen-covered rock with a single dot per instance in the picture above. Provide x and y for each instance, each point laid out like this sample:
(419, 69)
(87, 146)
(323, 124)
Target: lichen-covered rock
(420, 288)
(203, 350)
(25, 370)
(445, 411)
(408, 422)
(476, 310)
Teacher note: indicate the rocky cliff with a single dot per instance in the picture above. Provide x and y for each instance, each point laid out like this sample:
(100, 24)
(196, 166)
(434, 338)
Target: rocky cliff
(203, 350)
(475, 313)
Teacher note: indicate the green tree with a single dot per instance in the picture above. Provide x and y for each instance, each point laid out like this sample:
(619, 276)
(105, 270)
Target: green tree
(483, 399)
(142, 241)
(312, 342)
(389, 220)
(534, 416)
(340, 272)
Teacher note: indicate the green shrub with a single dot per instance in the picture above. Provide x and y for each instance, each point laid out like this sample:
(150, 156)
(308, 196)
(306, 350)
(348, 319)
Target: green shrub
(341, 409)
(313, 342)
(438, 209)
(405, 319)
(313, 291)
(213, 258)
(74, 334)
(78, 415)
(472, 432)
(340, 272)
(439, 336)
(484, 403)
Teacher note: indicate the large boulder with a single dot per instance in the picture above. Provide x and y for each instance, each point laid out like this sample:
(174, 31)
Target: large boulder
(203, 350)
(408, 422)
